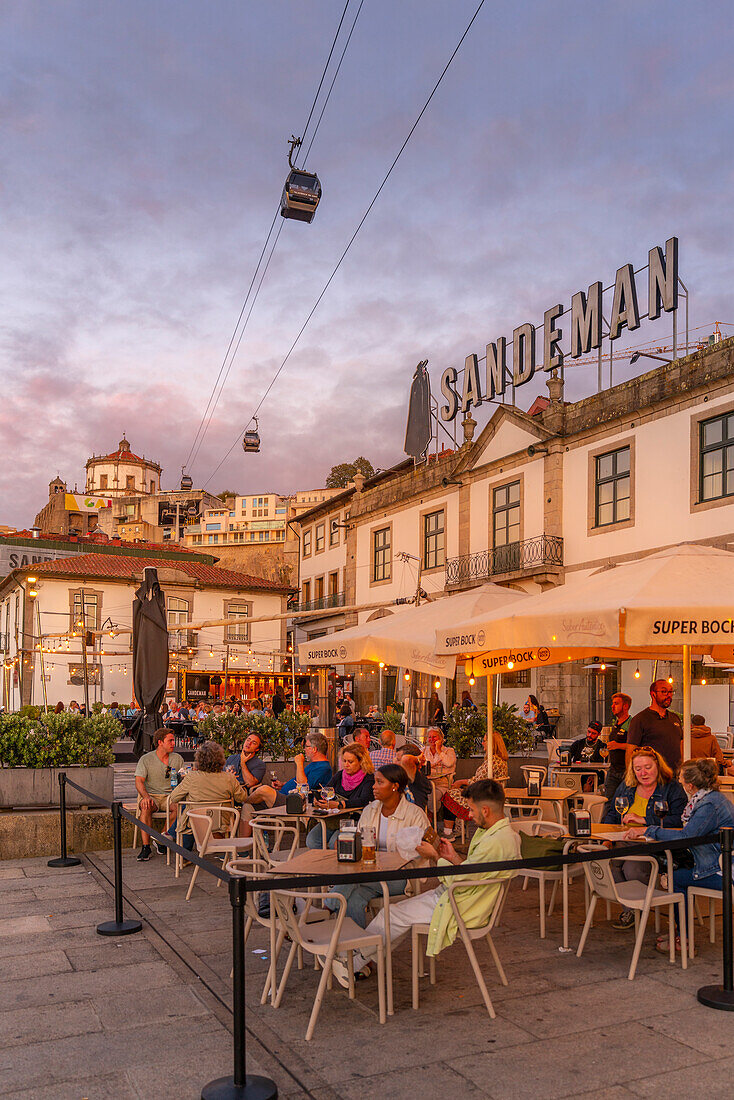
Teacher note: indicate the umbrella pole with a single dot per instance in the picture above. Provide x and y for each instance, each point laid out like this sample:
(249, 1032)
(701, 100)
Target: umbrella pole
(490, 723)
(686, 702)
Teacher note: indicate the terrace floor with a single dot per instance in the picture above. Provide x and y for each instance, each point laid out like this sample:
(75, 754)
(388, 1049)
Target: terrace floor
(148, 1016)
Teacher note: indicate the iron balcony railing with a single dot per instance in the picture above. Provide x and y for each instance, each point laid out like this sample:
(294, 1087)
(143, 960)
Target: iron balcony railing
(516, 557)
(336, 599)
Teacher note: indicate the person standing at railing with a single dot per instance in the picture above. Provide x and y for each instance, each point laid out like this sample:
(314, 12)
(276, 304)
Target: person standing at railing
(153, 784)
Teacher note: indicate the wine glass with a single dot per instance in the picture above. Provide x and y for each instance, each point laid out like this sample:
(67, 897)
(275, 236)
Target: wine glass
(621, 804)
(660, 808)
(328, 794)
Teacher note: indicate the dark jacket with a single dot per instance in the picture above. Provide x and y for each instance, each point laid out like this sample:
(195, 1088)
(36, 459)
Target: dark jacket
(673, 794)
(708, 816)
(420, 789)
(360, 797)
(577, 749)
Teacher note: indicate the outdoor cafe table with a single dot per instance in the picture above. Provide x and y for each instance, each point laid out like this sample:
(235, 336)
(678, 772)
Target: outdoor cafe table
(323, 861)
(556, 796)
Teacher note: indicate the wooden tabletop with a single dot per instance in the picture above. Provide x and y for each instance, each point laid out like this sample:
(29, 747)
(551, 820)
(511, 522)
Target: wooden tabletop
(547, 794)
(319, 815)
(322, 861)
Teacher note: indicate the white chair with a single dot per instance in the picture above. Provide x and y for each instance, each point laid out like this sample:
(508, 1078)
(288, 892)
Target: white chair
(467, 935)
(522, 811)
(199, 808)
(694, 893)
(641, 897)
(324, 940)
(254, 869)
(594, 803)
(202, 827)
(552, 743)
(533, 770)
(283, 836)
(542, 875)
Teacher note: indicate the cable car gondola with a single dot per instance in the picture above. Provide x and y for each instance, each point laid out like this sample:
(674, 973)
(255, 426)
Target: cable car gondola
(187, 482)
(251, 439)
(302, 191)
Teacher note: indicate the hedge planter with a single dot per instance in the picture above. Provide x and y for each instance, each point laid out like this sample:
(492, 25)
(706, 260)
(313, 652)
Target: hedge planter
(38, 788)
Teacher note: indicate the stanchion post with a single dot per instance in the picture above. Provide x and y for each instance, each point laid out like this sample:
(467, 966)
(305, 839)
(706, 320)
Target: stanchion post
(118, 926)
(722, 996)
(241, 1085)
(64, 859)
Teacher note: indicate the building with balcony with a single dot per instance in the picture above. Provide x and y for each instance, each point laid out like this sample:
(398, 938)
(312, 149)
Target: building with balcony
(535, 497)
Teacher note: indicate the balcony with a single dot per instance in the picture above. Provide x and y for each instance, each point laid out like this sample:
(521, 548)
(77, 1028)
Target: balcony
(336, 599)
(541, 555)
(181, 641)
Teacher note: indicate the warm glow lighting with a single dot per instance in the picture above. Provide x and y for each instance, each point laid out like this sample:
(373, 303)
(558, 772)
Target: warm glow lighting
(382, 664)
(407, 677)
(471, 681)
(703, 681)
(510, 664)
(637, 674)
(553, 637)
(32, 592)
(31, 580)
(603, 667)
(670, 679)
(437, 684)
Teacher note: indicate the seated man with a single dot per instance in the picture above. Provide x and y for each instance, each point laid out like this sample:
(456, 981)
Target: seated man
(588, 750)
(494, 840)
(250, 772)
(362, 737)
(153, 784)
(419, 787)
(315, 773)
(386, 754)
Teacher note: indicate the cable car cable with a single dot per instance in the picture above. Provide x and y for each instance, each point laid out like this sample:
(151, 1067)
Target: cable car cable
(204, 423)
(265, 269)
(352, 238)
(333, 81)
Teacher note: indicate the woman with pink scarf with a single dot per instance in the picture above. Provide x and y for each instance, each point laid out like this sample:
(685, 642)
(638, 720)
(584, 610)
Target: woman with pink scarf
(352, 787)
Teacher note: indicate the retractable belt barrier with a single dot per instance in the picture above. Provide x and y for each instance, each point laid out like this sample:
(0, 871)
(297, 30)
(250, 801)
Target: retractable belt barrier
(241, 1085)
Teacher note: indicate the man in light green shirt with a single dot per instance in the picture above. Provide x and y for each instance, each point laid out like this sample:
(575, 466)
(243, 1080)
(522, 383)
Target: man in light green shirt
(494, 841)
(153, 783)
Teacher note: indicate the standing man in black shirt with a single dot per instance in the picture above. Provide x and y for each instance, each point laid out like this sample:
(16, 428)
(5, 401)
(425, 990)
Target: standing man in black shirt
(657, 727)
(617, 744)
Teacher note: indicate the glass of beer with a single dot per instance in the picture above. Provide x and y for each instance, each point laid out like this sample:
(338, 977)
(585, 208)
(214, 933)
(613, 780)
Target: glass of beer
(369, 844)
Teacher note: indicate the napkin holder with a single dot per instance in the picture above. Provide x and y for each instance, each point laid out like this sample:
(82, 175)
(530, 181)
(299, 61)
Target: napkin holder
(534, 785)
(349, 844)
(295, 803)
(579, 823)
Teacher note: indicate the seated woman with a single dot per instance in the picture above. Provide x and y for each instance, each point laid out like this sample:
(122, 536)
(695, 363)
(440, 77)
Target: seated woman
(353, 787)
(453, 802)
(387, 815)
(207, 783)
(648, 778)
(706, 811)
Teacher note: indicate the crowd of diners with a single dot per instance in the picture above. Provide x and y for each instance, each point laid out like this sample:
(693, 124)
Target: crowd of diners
(391, 788)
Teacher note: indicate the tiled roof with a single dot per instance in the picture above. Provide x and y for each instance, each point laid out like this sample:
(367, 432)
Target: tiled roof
(130, 568)
(102, 539)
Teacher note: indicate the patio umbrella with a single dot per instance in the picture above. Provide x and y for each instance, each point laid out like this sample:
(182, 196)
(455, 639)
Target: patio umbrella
(150, 659)
(666, 605)
(407, 636)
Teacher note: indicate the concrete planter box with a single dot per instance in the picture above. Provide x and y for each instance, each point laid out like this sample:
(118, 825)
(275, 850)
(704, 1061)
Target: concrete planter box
(38, 788)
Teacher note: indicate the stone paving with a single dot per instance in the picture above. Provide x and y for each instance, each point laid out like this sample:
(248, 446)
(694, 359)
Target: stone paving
(148, 1016)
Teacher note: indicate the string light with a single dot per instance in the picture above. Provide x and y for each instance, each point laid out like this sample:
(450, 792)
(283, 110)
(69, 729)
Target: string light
(471, 681)
(703, 681)
(406, 677)
(382, 664)
(603, 667)
(437, 684)
(510, 664)
(670, 679)
(637, 674)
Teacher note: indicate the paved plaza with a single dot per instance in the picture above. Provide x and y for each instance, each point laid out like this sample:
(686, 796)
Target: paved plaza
(149, 1015)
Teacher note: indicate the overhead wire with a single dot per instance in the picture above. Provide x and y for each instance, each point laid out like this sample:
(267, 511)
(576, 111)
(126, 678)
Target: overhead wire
(353, 237)
(215, 396)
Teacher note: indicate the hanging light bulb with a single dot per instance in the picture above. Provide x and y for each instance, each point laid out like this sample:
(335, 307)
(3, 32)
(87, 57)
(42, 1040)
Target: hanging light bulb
(437, 684)
(510, 664)
(382, 664)
(703, 681)
(406, 677)
(637, 674)
(670, 679)
(211, 652)
(603, 667)
(471, 681)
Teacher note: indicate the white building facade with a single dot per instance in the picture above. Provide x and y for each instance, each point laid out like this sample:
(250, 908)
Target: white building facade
(533, 499)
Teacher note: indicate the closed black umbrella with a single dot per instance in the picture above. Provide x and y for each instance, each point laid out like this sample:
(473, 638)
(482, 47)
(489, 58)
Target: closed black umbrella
(150, 659)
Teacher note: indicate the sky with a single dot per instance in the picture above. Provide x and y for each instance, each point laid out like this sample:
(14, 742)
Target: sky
(143, 155)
